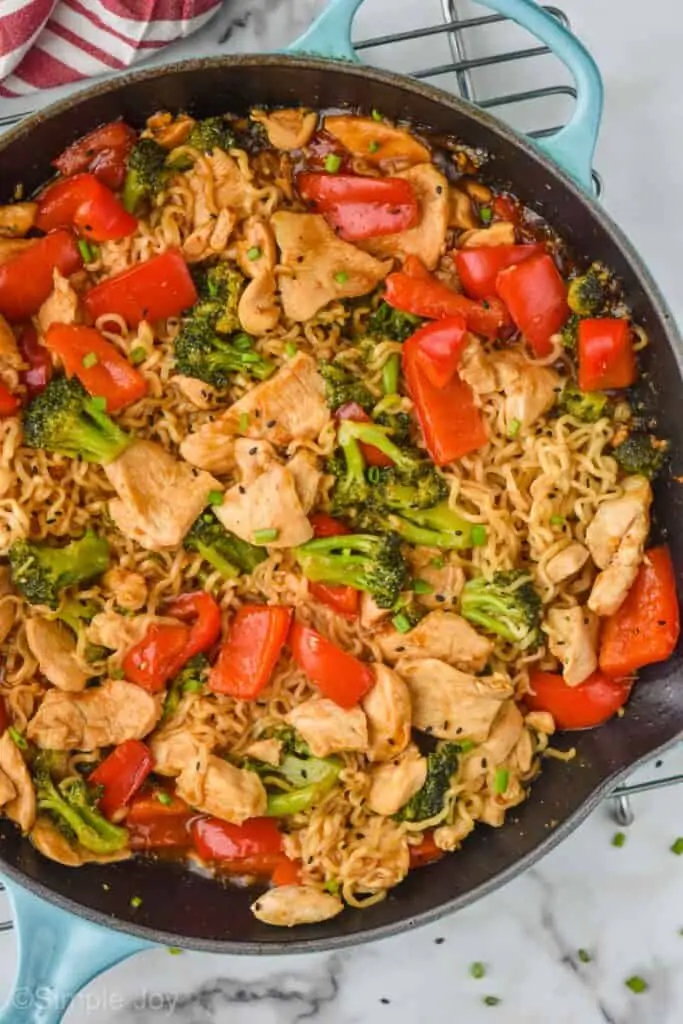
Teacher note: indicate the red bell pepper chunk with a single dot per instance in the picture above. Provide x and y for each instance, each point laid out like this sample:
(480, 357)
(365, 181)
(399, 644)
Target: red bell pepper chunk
(360, 207)
(39, 373)
(373, 456)
(153, 825)
(478, 269)
(86, 203)
(426, 296)
(426, 852)
(536, 298)
(287, 872)
(218, 840)
(606, 356)
(645, 629)
(451, 423)
(439, 346)
(251, 651)
(326, 526)
(506, 207)
(101, 368)
(121, 774)
(202, 613)
(26, 279)
(577, 707)
(103, 151)
(9, 403)
(342, 599)
(340, 676)
(158, 288)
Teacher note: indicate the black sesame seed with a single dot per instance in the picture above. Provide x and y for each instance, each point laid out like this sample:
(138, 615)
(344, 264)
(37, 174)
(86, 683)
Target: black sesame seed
(440, 597)
(484, 762)
(241, 489)
(385, 1001)
(439, 941)
(400, 650)
(253, 451)
(271, 423)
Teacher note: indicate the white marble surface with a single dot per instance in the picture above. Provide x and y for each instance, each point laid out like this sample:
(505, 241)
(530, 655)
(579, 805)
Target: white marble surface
(623, 905)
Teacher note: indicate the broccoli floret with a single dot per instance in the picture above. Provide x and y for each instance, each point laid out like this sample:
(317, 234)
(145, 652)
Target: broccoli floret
(220, 287)
(201, 353)
(298, 782)
(341, 388)
(437, 527)
(570, 333)
(641, 453)
(190, 679)
(408, 613)
(589, 294)
(211, 133)
(507, 605)
(228, 554)
(430, 799)
(409, 464)
(587, 406)
(389, 324)
(399, 425)
(65, 419)
(428, 488)
(40, 572)
(351, 490)
(71, 804)
(146, 173)
(373, 564)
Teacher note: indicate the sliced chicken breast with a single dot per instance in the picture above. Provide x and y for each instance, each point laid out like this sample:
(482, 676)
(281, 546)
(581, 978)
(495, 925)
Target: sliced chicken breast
(395, 782)
(388, 711)
(289, 905)
(102, 716)
(442, 635)
(573, 638)
(616, 539)
(270, 503)
(54, 648)
(327, 728)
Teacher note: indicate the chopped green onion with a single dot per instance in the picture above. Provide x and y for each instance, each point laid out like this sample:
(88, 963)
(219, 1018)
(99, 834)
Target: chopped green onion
(479, 536)
(486, 214)
(135, 902)
(422, 587)
(500, 782)
(88, 252)
(466, 746)
(174, 950)
(438, 562)
(244, 422)
(618, 839)
(490, 1000)
(332, 163)
(401, 623)
(99, 402)
(636, 984)
(17, 738)
(117, 673)
(242, 342)
(514, 428)
(677, 847)
(374, 475)
(214, 498)
(263, 536)
(193, 686)
(390, 374)
(477, 969)
(254, 253)
(376, 116)
(164, 798)
(332, 886)
(341, 277)
(90, 359)
(290, 350)
(584, 956)
(557, 520)
(374, 146)
(138, 355)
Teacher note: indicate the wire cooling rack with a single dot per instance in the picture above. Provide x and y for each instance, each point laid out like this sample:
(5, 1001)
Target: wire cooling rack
(475, 63)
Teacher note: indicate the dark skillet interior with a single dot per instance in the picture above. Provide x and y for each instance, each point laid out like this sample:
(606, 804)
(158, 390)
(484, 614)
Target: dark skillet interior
(184, 909)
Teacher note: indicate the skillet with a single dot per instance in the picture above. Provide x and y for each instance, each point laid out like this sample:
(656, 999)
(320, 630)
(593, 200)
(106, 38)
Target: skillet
(73, 924)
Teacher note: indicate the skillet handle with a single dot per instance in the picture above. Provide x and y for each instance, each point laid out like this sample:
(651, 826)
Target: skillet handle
(573, 146)
(57, 955)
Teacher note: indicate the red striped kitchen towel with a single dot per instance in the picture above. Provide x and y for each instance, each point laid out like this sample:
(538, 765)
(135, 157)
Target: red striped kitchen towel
(45, 43)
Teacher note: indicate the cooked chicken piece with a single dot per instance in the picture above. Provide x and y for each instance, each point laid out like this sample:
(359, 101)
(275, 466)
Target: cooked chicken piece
(101, 716)
(129, 588)
(174, 749)
(10, 356)
(269, 751)
(200, 394)
(257, 237)
(289, 905)
(17, 219)
(449, 837)
(451, 704)
(460, 210)
(319, 266)
(447, 581)
(500, 233)
(388, 711)
(271, 502)
(494, 807)
(159, 496)
(8, 616)
(287, 129)
(506, 730)
(52, 843)
(376, 142)
(289, 406)
(252, 458)
(327, 728)
(428, 238)
(540, 721)
(258, 308)
(522, 757)
(616, 540)
(117, 632)
(7, 789)
(6, 585)
(61, 306)
(573, 638)
(11, 247)
(212, 447)
(54, 647)
(170, 131)
(529, 390)
(476, 369)
(442, 635)
(307, 475)
(233, 794)
(22, 808)
(371, 615)
(394, 783)
(566, 562)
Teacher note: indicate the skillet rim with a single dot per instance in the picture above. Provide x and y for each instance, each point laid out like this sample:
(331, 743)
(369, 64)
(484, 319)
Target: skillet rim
(470, 111)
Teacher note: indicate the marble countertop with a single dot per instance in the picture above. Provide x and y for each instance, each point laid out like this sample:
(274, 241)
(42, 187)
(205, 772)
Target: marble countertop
(621, 906)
